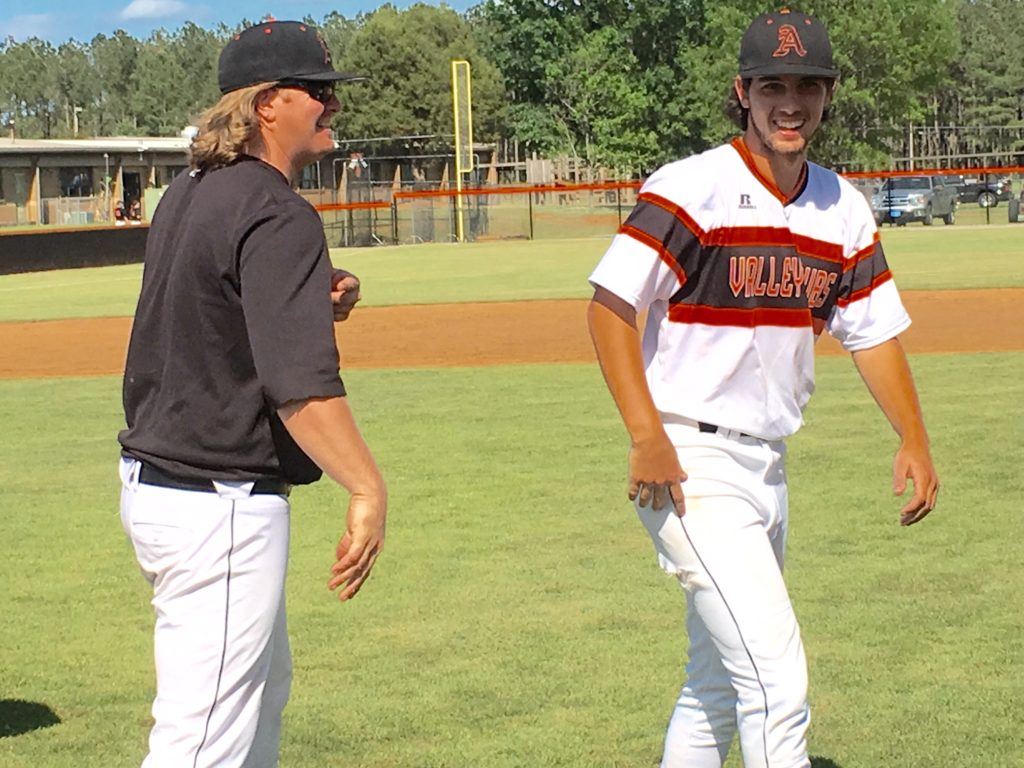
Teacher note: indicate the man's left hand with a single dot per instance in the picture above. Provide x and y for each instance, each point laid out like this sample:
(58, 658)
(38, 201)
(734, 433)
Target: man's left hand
(914, 461)
(344, 293)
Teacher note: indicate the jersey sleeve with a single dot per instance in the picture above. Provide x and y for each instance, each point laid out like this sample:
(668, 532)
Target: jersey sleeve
(868, 309)
(650, 257)
(285, 278)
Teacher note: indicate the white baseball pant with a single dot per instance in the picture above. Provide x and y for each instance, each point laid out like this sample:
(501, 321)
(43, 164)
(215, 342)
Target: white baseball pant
(747, 668)
(217, 565)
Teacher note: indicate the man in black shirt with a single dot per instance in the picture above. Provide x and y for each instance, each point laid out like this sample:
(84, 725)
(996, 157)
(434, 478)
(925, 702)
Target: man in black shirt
(231, 396)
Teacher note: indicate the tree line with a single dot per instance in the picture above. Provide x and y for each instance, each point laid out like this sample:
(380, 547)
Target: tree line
(627, 84)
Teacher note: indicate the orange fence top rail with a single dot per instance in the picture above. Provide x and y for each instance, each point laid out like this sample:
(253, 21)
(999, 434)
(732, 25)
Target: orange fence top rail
(604, 186)
(994, 170)
(368, 204)
(607, 186)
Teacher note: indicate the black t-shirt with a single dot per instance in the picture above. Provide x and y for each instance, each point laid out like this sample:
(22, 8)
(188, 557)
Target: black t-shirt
(234, 320)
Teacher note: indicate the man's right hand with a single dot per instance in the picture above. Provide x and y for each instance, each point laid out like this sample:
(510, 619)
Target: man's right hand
(360, 546)
(655, 475)
(654, 471)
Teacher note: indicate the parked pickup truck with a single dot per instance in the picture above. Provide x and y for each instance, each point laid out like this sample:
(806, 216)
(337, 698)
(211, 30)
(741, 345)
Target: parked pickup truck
(985, 192)
(903, 199)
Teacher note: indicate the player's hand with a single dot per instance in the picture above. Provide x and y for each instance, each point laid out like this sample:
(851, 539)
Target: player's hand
(344, 293)
(914, 461)
(360, 546)
(655, 476)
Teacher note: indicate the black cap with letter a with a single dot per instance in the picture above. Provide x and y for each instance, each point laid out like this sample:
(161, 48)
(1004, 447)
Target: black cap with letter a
(786, 43)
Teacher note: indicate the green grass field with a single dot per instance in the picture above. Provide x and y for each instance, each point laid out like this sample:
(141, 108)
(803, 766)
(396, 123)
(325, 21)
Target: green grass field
(518, 618)
(922, 258)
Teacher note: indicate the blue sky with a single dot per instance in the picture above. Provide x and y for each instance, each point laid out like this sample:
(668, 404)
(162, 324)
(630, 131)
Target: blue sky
(59, 20)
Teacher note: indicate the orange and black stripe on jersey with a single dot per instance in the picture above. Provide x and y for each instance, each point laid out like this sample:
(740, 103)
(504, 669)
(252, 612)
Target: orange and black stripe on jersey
(749, 276)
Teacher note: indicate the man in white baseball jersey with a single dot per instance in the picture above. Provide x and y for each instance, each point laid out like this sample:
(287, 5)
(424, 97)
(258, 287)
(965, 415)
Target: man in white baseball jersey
(741, 256)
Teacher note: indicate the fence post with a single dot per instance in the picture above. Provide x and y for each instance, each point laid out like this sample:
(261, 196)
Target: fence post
(988, 208)
(529, 200)
(618, 203)
(455, 216)
(394, 220)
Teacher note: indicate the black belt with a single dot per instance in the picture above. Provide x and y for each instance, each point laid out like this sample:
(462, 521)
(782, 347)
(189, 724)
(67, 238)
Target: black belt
(704, 426)
(150, 475)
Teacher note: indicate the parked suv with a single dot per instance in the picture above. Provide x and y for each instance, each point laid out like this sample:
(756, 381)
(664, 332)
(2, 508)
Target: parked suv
(987, 194)
(904, 199)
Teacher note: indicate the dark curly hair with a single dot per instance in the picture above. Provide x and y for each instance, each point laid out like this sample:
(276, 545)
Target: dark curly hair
(735, 111)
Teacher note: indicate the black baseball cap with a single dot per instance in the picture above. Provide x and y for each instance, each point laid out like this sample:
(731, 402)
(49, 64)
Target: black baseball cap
(786, 43)
(277, 50)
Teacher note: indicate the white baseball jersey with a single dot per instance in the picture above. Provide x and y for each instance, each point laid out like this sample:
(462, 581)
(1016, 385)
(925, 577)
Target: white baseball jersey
(739, 282)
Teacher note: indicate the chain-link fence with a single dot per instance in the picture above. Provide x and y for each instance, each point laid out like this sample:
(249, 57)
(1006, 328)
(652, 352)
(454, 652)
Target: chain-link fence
(898, 198)
(496, 213)
(349, 225)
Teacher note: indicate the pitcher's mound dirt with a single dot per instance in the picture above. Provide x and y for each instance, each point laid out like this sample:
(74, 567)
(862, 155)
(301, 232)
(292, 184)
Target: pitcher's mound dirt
(494, 333)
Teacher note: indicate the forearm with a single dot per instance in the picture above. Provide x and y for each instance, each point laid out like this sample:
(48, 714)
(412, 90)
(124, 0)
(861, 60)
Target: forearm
(655, 476)
(617, 344)
(886, 373)
(325, 429)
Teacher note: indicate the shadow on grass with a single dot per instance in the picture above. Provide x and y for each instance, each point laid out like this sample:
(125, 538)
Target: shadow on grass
(18, 717)
(824, 762)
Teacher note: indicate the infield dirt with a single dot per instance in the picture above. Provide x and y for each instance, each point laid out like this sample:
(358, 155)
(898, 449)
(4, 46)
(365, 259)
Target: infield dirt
(494, 333)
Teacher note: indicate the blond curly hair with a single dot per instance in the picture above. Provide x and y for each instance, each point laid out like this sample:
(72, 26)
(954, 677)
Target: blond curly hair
(225, 128)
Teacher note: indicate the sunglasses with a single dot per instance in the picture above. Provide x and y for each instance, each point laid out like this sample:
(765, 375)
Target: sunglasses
(322, 92)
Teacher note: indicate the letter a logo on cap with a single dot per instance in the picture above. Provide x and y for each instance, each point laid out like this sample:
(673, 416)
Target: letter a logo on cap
(789, 40)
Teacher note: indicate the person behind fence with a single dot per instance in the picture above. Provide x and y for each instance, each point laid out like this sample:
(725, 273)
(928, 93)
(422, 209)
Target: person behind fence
(232, 396)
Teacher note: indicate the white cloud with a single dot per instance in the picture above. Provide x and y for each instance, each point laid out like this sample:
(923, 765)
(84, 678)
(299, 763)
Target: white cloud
(28, 25)
(152, 9)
